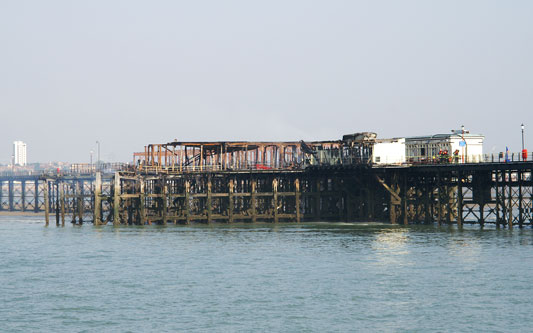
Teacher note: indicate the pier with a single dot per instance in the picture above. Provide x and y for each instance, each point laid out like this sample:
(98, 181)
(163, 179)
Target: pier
(228, 182)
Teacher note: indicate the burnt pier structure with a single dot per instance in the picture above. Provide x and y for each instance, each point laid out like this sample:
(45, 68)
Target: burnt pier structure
(247, 182)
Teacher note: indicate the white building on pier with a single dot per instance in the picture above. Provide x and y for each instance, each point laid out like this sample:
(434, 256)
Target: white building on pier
(464, 146)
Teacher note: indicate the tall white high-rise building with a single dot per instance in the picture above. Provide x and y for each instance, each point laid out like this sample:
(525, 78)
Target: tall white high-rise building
(19, 153)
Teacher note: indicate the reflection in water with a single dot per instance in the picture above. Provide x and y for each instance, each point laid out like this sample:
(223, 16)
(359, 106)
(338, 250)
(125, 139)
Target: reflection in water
(391, 247)
(466, 250)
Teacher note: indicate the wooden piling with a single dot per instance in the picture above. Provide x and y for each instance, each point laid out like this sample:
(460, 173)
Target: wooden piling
(187, 202)
(404, 201)
(46, 203)
(297, 199)
(510, 200)
(275, 199)
(230, 200)
(97, 212)
(142, 200)
(317, 200)
(62, 203)
(460, 201)
(520, 201)
(11, 195)
(164, 199)
(36, 207)
(79, 195)
(209, 201)
(116, 199)
(57, 201)
(23, 195)
(253, 201)
(498, 199)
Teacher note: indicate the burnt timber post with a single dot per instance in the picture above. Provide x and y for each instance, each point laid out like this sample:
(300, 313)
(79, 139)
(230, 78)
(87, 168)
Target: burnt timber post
(317, 200)
(36, 196)
(510, 199)
(187, 203)
(209, 200)
(253, 200)
(79, 192)
(11, 195)
(142, 199)
(62, 202)
(230, 200)
(97, 213)
(404, 201)
(275, 199)
(297, 199)
(116, 200)
(23, 195)
(46, 203)
(460, 201)
(57, 201)
(164, 200)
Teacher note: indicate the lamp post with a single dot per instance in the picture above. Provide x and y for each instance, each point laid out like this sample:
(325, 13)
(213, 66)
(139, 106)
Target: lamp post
(98, 156)
(522, 141)
(462, 148)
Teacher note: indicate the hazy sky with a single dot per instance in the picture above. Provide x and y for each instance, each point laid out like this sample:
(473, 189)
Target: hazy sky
(129, 73)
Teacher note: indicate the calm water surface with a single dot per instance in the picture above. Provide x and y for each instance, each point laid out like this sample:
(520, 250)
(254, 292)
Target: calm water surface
(270, 278)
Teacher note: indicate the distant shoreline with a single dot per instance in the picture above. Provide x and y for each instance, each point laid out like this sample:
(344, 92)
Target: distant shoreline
(18, 213)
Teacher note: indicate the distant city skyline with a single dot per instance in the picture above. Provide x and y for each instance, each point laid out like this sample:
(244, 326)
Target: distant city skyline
(132, 73)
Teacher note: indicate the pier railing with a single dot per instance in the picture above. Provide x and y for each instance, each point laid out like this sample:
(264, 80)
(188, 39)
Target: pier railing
(458, 159)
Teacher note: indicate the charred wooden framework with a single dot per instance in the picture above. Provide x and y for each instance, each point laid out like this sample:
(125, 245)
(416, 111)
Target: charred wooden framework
(182, 157)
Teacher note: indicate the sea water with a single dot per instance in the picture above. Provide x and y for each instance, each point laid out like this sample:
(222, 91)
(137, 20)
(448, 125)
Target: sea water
(309, 277)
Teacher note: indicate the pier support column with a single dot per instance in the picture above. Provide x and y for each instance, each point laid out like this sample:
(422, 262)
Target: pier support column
(297, 199)
(142, 199)
(79, 192)
(498, 198)
(404, 201)
(230, 201)
(57, 200)
(1, 195)
(440, 199)
(97, 199)
(10, 196)
(46, 203)
(62, 202)
(275, 199)
(392, 210)
(164, 200)
(74, 198)
(449, 211)
(253, 201)
(370, 200)
(520, 198)
(317, 201)
(187, 203)
(116, 200)
(427, 202)
(23, 195)
(460, 201)
(36, 207)
(510, 200)
(209, 200)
